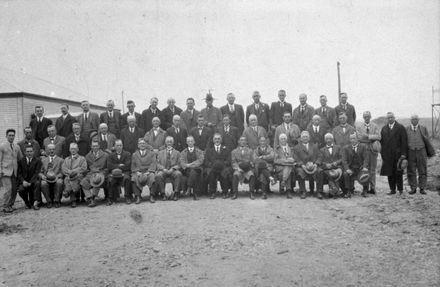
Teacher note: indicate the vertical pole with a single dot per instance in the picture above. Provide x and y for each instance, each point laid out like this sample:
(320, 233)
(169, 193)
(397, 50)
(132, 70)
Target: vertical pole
(339, 81)
(432, 113)
(123, 102)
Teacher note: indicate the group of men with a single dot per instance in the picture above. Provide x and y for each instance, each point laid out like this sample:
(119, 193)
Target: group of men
(195, 150)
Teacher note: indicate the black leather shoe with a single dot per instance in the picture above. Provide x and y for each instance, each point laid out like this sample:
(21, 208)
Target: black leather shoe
(413, 191)
(49, 205)
(391, 192)
(73, 205)
(212, 196)
(264, 196)
(224, 195)
(319, 195)
(364, 193)
(252, 196)
(289, 194)
(422, 191)
(372, 191)
(109, 202)
(128, 201)
(234, 196)
(92, 203)
(151, 199)
(303, 195)
(35, 207)
(57, 204)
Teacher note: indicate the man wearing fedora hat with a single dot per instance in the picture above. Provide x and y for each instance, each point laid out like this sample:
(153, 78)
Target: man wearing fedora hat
(330, 165)
(211, 114)
(96, 175)
(191, 161)
(284, 165)
(263, 159)
(168, 166)
(143, 166)
(118, 166)
(354, 161)
(51, 178)
(241, 160)
(74, 167)
(306, 157)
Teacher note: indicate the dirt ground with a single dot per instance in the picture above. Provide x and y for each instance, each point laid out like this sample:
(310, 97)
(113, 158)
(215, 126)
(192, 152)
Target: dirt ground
(376, 241)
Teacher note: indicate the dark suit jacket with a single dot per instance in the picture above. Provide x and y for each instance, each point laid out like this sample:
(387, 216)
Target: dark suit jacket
(348, 157)
(167, 117)
(317, 138)
(276, 112)
(64, 126)
(303, 119)
(394, 144)
(189, 120)
(130, 140)
(23, 143)
(147, 116)
(113, 161)
(230, 139)
(325, 156)
(201, 141)
(114, 124)
(124, 122)
(211, 156)
(262, 114)
(328, 118)
(302, 156)
(179, 139)
(28, 172)
(350, 111)
(92, 123)
(83, 145)
(237, 117)
(39, 129)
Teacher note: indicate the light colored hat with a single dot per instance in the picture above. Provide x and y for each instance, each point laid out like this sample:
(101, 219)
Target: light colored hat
(97, 179)
(310, 168)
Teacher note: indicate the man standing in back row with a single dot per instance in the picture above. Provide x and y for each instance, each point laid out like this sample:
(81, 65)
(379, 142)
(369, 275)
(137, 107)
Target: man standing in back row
(234, 111)
(302, 115)
(346, 108)
(261, 110)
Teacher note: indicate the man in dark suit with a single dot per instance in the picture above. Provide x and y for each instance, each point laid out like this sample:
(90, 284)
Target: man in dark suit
(189, 116)
(112, 118)
(131, 134)
(88, 121)
(394, 142)
(178, 134)
(28, 140)
(201, 134)
(168, 113)
(28, 169)
(317, 131)
(302, 115)
(76, 137)
(64, 123)
(150, 113)
(327, 114)
(229, 133)
(277, 110)
(346, 108)
(119, 159)
(261, 110)
(234, 111)
(130, 106)
(39, 125)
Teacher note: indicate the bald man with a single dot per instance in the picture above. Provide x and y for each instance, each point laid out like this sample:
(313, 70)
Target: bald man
(106, 139)
(169, 112)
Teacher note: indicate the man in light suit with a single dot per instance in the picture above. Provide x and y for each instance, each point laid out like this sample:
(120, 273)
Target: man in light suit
(211, 114)
(89, 121)
(124, 118)
(155, 137)
(234, 111)
(51, 190)
(277, 110)
(190, 115)
(289, 129)
(191, 161)
(346, 108)
(64, 123)
(55, 139)
(168, 114)
(73, 169)
(253, 132)
(112, 118)
(368, 134)
(242, 164)
(261, 110)
(106, 139)
(10, 154)
(168, 166)
(39, 125)
(327, 114)
(284, 165)
(302, 115)
(342, 132)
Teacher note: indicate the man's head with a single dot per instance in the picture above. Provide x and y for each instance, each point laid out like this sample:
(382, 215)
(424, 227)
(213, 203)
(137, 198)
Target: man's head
(190, 103)
(344, 98)
(142, 144)
(64, 109)
(171, 102)
(110, 105)
(253, 120)
(354, 139)
(76, 128)
(323, 100)
(390, 117)
(305, 137)
(28, 133)
(131, 121)
(52, 131)
(303, 99)
(282, 139)
(176, 121)
(29, 151)
(287, 117)
(95, 146)
(118, 146)
(256, 97)
(73, 148)
(328, 138)
(414, 119)
(226, 120)
(282, 95)
(51, 149)
(367, 117)
(39, 111)
(209, 100)
(262, 141)
(200, 121)
(342, 118)
(316, 120)
(85, 106)
(155, 122)
(217, 139)
(10, 135)
(242, 142)
(153, 102)
(169, 141)
(230, 98)
(190, 141)
(103, 128)
(130, 106)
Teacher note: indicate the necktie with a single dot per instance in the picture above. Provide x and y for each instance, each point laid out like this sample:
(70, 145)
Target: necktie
(226, 129)
(232, 108)
(217, 149)
(28, 161)
(142, 153)
(119, 156)
(281, 104)
(200, 131)
(50, 159)
(132, 130)
(256, 106)
(76, 138)
(368, 129)
(177, 130)
(344, 107)
(307, 147)
(316, 129)
(51, 140)
(330, 149)
(85, 117)
(302, 110)
(355, 148)
(323, 110)
(111, 114)
(12, 147)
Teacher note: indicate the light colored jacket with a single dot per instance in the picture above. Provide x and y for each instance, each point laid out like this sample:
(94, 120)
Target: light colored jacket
(57, 164)
(184, 158)
(293, 134)
(174, 159)
(76, 164)
(58, 142)
(252, 136)
(9, 158)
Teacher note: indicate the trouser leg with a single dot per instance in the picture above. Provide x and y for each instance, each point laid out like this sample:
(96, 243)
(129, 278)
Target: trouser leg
(412, 168)
(392, 182)
(422, 167)
(372, 170)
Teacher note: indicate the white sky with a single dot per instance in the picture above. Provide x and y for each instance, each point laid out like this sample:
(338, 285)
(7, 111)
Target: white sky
(389, 50)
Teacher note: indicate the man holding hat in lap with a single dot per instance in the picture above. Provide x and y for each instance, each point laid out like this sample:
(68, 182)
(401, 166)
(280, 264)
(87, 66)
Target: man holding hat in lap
(168, 166)
(118, 165)
(330, 166)
(284, 165)
(143, 170)
(191, 161)
(241, 159)
(51, 178)
(74, 167)
(263, 159)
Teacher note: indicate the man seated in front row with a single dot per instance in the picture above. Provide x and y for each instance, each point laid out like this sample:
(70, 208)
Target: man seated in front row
(97, 173)
(51, 178)
(241, 160)
(263, 159)
(118, 165)
(168, 166)
(143, 170)
(330, 166)
(74, 167)
(28, 169)
(284, 165)
(191, 161)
